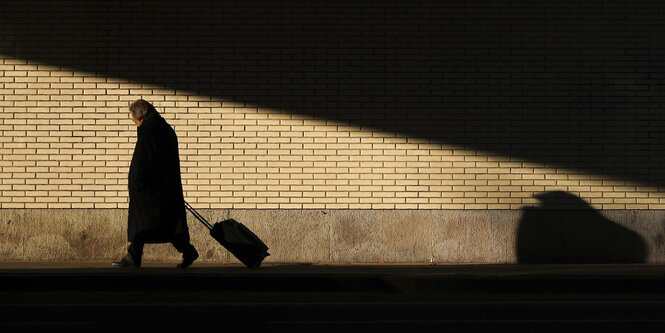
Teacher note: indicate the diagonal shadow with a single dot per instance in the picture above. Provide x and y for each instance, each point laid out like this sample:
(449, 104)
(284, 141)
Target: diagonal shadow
(559, 82)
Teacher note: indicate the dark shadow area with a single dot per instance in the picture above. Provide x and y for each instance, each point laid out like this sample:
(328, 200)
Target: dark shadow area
(338, 298)
(564, 229)
(567, 83)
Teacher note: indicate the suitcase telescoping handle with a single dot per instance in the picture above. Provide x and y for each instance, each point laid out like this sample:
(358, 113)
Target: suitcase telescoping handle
(198, 216)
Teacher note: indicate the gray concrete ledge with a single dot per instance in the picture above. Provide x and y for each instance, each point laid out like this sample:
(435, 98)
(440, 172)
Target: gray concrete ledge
(357, 236)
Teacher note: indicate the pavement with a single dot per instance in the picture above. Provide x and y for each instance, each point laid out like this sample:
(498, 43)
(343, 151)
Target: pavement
(333, 297)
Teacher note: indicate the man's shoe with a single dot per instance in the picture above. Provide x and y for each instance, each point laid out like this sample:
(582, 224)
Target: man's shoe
(125, 262)
(188, 258)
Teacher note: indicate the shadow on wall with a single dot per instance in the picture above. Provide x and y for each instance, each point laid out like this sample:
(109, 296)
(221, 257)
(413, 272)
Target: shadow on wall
(564, 229)
(575, 86)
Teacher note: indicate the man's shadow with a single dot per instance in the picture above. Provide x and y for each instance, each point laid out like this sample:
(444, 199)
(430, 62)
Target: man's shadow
(564, 229)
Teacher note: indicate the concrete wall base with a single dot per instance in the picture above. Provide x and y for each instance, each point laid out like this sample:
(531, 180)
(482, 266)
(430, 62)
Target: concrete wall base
(357, 236)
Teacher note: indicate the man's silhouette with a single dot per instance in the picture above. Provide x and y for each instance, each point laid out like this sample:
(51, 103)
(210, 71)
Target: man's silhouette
(156, 202)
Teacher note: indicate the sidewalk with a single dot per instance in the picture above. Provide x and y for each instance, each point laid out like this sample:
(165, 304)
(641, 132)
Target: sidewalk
(403, 278)
(298, 297)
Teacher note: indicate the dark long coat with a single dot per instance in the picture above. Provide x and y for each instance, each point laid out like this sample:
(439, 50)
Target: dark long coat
(156, 203)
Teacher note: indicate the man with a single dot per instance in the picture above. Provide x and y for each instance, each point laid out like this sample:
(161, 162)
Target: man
(156, 202)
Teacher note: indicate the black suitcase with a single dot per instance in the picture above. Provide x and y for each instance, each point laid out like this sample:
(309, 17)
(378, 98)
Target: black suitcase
(236, 238)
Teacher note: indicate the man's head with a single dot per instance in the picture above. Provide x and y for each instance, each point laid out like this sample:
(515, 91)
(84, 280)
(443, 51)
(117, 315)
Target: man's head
(140, 110)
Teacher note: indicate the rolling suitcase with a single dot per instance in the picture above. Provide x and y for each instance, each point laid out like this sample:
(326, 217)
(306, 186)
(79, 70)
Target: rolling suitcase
(236, 238)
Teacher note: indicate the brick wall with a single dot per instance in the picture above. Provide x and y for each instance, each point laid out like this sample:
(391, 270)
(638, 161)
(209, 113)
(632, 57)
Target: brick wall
(344, 105)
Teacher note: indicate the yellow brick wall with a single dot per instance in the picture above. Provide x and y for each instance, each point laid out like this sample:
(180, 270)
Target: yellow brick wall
(67, 141)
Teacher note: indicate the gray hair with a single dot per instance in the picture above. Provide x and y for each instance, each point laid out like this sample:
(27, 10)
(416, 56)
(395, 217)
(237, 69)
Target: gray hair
(142, 109)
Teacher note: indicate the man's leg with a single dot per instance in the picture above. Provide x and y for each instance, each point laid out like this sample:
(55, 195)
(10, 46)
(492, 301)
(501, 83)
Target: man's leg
(189, 253)
(133, 257)
(135, 250)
